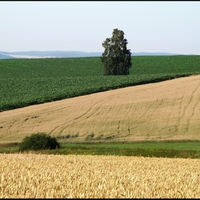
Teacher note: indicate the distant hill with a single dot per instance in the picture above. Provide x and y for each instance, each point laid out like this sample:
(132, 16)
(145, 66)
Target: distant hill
(66, 54)
(153, 54)
(2, 56)
(47, 54)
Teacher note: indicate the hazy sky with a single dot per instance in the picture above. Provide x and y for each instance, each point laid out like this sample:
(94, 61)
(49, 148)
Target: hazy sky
(149, 26)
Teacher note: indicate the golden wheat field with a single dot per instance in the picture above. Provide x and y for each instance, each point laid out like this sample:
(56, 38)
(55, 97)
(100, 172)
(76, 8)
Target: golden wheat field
(89, 176)
(168, 110)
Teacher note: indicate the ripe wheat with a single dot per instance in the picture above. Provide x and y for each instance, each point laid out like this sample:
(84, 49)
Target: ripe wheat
(82, 176)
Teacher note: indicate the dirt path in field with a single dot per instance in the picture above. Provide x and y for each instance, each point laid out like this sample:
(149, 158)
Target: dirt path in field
(168, 110)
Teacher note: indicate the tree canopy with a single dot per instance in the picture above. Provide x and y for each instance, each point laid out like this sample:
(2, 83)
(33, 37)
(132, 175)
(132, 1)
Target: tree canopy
(116, 58)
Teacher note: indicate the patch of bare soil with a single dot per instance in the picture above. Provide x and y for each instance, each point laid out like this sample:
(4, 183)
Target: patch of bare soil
(168, 110)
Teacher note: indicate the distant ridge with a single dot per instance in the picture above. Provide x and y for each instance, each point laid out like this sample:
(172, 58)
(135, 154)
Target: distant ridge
(154, 54)
(67, 54)
(3, 56)
(47, 54)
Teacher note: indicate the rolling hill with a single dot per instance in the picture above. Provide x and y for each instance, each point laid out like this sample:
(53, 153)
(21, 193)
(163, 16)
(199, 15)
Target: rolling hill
(166, 110)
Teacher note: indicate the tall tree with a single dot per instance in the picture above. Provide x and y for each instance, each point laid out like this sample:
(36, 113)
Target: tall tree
(116, 57)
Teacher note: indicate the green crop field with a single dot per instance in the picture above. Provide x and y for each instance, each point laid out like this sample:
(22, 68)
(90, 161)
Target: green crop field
(32, 81)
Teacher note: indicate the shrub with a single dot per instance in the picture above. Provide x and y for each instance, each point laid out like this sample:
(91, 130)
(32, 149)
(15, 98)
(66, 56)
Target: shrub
(38, 141)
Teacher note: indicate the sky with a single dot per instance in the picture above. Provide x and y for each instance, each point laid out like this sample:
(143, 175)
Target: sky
(148, 26)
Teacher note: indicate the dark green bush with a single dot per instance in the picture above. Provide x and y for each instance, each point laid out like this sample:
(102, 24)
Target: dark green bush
(38, 141)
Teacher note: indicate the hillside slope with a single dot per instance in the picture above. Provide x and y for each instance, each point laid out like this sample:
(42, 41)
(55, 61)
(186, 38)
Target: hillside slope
(168, 110)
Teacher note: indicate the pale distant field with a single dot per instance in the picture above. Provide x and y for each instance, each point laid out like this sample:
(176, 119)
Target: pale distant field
(168, 110)
(83, 176)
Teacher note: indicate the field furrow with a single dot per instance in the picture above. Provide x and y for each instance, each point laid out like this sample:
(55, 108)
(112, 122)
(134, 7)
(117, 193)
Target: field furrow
(194, 106)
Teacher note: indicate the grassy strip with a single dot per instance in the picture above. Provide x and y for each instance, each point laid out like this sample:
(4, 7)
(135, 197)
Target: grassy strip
(170, 149)
(9, 148)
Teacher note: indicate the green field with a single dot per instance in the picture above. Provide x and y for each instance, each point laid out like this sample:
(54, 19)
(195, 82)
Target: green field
(170, 149)
(32, 81)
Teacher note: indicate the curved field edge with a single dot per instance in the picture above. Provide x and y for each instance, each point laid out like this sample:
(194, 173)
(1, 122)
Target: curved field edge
(81, 86)
(27, 82)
